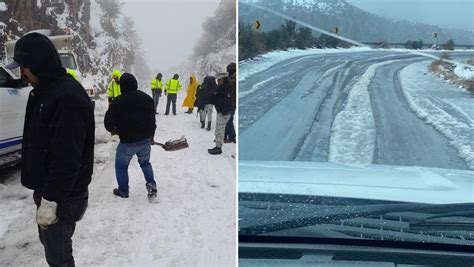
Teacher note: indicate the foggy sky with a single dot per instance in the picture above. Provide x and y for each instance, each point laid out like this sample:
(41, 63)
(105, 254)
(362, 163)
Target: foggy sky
(168, 28)
(444, 13)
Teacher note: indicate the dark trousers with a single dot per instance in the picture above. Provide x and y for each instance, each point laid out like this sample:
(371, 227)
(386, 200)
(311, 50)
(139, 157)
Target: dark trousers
(125, 153)
(156, 98)
(57, 238)
(171, 99)
(229, 128)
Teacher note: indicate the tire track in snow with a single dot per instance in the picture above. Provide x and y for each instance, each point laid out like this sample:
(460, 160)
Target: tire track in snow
(253, 106)
(353, 130)
(309, 142)
(259, 85)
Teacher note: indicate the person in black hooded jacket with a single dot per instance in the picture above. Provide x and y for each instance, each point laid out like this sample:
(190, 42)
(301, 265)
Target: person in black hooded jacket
(204, 101)
(223, 104)
(131, 115)
(58, 145)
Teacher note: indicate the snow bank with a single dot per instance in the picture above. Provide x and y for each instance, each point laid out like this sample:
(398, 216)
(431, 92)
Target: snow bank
(250, 67)
(444, 106)
(464, 72)
(353, 131)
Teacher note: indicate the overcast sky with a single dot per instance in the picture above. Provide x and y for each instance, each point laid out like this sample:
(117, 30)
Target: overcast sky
(444, 13)
(168, 28)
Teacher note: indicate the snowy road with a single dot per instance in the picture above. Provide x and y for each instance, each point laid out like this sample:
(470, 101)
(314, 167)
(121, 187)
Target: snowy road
(350, 108)
(193, 224)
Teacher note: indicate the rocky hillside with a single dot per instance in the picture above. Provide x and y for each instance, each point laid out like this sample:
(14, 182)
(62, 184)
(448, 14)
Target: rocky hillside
(101, 32)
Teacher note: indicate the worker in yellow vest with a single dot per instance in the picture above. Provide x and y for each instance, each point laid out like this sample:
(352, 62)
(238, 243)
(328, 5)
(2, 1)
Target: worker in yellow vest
(113, 90)
(156, 89)
(171, 88)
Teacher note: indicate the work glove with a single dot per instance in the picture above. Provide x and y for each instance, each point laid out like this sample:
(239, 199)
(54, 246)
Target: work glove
(46, 213)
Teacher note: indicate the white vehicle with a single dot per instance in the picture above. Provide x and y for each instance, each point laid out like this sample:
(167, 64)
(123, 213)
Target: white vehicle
(63, 44)
(329, 214)
(13, 99)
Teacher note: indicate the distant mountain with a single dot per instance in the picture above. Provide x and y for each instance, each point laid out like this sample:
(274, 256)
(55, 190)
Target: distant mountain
(352, 22)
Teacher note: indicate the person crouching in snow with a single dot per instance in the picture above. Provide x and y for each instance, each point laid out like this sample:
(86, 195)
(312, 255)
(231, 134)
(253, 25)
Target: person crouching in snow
(132, 116)
(191, 94)
(222, 102)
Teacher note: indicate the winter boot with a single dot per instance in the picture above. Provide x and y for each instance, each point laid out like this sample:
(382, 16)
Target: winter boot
(215, 151)
(151, 188)
(208, 126)
(117, 192)
(203, 124)
(229, 141)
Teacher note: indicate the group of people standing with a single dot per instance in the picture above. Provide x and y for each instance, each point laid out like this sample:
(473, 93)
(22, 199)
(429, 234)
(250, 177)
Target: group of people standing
(206, 96)
(172, 87)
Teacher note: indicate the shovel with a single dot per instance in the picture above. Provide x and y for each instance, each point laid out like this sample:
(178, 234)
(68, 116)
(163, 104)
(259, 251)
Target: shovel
(173, 145)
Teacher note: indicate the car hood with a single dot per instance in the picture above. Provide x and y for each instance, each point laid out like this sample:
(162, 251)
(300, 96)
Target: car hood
(381, 182)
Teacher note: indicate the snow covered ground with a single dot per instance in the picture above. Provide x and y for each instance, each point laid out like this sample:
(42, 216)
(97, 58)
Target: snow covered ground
(193, 223)
(464, 72)
(353, 108)
(249, 67)
(353, 129)
(446, 107)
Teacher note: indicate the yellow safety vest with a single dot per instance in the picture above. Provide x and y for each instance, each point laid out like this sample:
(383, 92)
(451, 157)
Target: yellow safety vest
(72, 73)
(173, 86)
(113, 90)
(156, 84)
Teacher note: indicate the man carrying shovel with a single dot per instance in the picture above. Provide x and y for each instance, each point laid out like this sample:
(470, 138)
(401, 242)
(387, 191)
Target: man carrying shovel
(131, 115)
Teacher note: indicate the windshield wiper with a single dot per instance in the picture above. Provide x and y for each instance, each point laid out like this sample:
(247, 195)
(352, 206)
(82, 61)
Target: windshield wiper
(266, 217)
(462, 221)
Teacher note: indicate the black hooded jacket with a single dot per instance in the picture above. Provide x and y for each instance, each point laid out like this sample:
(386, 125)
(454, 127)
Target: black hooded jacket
(205, 94)
(132, 114)
(58, 135)
(222, 98)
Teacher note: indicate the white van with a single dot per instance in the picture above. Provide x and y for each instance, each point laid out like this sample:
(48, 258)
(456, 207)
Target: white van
(13, 98)
(63, 44)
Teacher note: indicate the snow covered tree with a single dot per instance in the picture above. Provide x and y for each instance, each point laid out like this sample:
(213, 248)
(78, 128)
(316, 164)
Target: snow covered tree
(111, 12)
(216, 47)
(449, 45)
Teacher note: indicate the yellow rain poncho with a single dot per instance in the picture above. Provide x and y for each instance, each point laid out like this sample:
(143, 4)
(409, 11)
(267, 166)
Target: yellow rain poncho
(191, 93)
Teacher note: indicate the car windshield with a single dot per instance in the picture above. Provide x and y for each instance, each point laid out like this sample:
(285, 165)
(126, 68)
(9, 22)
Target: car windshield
(356, 120)
(68, 61)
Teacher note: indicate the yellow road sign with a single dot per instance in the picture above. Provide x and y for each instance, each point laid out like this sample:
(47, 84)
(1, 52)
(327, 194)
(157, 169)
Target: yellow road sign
(336, 30)
(257, 24)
